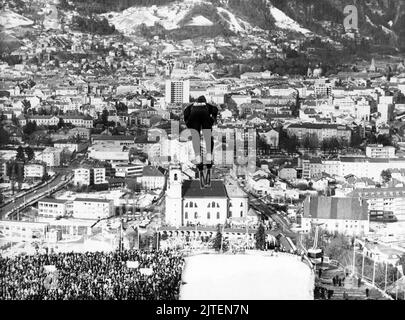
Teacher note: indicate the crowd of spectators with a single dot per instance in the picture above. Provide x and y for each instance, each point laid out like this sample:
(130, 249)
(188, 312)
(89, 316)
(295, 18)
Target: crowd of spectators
(92, 276)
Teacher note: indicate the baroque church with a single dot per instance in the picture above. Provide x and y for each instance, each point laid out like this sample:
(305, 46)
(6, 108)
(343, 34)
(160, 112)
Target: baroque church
(187, 203)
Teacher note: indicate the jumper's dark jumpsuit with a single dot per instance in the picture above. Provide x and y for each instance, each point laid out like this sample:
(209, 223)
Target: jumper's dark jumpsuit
(201, 116)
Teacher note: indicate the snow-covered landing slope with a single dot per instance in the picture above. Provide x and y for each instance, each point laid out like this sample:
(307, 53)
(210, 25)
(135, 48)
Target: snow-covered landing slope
(251, 276)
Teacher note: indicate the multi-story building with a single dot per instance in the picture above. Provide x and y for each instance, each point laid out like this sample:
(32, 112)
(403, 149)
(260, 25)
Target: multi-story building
(34, 170)
(3, 169)
(22, 230)
(92, 208)
(98, 175)
(127, 141)
(129, 170)
(107, 152)
(51, 156)
(344, 215)
(323, 87)
(321, 130)
(81, 121)
(82, 133)
(238, 202)
(357, 166)
(384, 199)
(42, 120)
(380, 151)
(177, 91)
(151, 178)
(89, 176)
(51, 208)
(81, 176)
(71, 146)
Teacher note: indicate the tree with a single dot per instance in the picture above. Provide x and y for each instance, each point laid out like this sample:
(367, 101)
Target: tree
(356, 140)
(30, 128)
(29, 153)
(218, 239)
(288, 143)
(260, 237)
(384, 139)
(310, 141)
(46, 177)
(4, 136)
(386, 176)
(104, 117)
(338, 248)
(61, 123)
(20, 154)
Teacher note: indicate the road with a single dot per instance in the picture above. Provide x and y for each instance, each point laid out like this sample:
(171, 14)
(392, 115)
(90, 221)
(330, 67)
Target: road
(270, 211)
(22, 202)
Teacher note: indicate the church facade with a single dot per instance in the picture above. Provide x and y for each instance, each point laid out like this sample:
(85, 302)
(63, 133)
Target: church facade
(187, 203)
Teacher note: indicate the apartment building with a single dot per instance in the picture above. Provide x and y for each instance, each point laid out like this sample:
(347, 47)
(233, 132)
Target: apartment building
(384, 199)
(380, 151)
(321, 130)
(51, 208)
(34, 171)
(357, 166)
(51, 156)
(89, 176)
(177, 91)
(91, 208)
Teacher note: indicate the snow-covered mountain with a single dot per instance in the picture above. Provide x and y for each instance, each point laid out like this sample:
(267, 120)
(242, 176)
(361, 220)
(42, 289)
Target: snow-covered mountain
(194, 13)
(380, 20)
(10, 19)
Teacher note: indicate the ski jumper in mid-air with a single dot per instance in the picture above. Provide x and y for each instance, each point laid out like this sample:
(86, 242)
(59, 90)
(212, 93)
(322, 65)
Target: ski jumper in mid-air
(199, 117)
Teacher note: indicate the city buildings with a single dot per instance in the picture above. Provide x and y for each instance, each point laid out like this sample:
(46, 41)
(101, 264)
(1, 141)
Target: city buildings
(89, 208)
(131, 170)
(177, 91)
(344, 215)
(51, 156)
(380, 151)
(34, 170)
(51, 208)
(151, 178)
(89, 176)
(384, 199)
(320, 130)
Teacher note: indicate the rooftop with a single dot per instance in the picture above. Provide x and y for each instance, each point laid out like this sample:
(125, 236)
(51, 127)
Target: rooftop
(192, 189)
(92, 200)
(51, 200)
(349, 208)
(151, 171)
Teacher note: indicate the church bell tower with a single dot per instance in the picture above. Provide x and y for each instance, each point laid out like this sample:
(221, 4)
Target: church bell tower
(174, 203)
